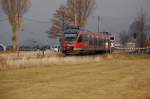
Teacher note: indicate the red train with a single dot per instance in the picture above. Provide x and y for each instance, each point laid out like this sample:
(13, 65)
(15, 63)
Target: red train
(76, 41)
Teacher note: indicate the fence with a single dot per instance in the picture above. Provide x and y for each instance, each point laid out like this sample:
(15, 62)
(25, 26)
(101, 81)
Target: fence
(133, 50)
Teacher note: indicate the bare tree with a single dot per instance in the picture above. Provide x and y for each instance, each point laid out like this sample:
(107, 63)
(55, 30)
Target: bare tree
(75, 12)
(15, 9)
(59, 21)
(124, 37)
(142, 22)
(137, 29)
(80, 10)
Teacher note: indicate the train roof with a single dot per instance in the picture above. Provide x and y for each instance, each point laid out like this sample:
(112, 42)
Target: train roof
(74, 30)
(77, 29)
(71, 31)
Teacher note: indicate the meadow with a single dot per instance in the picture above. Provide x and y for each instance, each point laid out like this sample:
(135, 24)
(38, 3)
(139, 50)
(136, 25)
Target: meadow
(99, 77)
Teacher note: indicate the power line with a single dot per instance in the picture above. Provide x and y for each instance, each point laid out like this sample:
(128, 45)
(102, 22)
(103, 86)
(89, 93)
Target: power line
(1, 20)
(99, 23)
(35, 20)
(29, 19)
(27, 31)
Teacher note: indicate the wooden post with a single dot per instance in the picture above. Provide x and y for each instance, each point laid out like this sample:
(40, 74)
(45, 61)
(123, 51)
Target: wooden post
(43, 54)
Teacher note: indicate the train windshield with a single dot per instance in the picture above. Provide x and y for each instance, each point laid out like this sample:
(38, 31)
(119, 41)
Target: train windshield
(70, 36)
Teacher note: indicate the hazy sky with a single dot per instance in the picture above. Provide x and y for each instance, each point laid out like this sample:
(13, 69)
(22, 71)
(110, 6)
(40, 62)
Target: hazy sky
(43, 9)
(114, 13)
(121, 8)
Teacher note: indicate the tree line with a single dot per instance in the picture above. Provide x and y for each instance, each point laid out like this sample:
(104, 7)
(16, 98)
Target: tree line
(137, 30)
(74, 12)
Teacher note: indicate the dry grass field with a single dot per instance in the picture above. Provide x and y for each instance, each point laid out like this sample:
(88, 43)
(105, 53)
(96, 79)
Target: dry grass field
(113, 77)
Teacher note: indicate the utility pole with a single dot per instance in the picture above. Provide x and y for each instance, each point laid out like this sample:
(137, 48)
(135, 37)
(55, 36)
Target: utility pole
(98, 23)
(63, 22)
(75, 19)
(75, 13)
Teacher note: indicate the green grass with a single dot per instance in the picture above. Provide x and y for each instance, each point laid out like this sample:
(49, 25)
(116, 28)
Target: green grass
(108, 79)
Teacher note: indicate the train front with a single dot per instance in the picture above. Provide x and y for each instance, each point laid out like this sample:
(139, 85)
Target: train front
(69, 41)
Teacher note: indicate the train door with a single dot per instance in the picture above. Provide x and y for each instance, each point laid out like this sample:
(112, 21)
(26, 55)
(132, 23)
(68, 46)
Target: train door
(90, 42)
(83, 40)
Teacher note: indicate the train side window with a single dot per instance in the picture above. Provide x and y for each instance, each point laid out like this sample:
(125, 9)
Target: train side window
(95, 41)
(102, 42)
(88, 38)
(90, 41)
(99, 42)
(149, 39)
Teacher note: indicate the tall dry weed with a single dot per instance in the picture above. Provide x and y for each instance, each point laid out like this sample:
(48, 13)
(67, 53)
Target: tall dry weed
(51, 61)
(3, 62)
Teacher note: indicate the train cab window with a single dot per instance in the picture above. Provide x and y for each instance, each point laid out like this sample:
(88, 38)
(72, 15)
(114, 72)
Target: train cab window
(85, 38)
(95, 41)
(90, 41)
